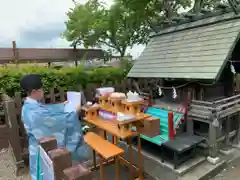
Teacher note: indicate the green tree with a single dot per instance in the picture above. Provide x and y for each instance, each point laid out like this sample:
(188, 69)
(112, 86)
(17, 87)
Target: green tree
(164, 9)
(117, 28)
(167, 9)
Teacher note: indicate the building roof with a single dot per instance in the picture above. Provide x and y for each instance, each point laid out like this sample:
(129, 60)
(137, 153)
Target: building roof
(43, 55)
(194, 50)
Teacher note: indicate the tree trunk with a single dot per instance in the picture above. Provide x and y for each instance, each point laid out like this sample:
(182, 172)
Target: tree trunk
(122, 54)
(198, 4)
(122, 51)
(168, 9)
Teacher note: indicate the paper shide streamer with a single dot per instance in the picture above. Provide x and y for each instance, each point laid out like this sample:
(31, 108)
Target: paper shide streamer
(232, 68)
(174, 93)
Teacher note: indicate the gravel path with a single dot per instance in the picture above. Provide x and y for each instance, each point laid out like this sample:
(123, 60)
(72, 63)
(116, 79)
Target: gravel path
(7, 168)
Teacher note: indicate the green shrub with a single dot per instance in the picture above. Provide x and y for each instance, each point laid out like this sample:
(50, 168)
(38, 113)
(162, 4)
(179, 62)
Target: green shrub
(67, 78)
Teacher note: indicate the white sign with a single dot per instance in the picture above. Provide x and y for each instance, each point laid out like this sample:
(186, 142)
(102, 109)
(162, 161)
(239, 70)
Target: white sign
(46, 165)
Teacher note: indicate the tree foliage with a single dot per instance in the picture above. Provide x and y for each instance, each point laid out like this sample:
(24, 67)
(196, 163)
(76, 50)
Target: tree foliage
(126, 22)
(118, 28)
(168, 8)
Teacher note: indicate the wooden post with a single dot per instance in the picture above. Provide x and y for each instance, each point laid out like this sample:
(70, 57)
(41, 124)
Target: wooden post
(75, 55)
(15, 142)
(201, 94)
(62, 94)
(237, 141)
(18, 102)
(213, 141)
(89, 92)
(52, 95)
(117, 168)
(62, 159)
(213, 129)
(190, 126)
(189, 94)
(48, 143)
(101, 169)
(171, 133)
(227, 131)
(193, 89)
(15, 52)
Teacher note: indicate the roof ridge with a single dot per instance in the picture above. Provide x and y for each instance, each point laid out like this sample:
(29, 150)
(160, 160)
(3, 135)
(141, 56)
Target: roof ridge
(205, 20)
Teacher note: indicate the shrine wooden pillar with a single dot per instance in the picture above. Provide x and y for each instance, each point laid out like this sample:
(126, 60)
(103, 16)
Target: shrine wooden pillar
(201, 94)
(213, 144)
(189, 119)
(237, 139)
(213, 148)
(227, 131)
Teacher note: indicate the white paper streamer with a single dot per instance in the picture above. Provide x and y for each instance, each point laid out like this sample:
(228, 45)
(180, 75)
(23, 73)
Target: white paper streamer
(160, 91)
(174, 93)
(232, 69)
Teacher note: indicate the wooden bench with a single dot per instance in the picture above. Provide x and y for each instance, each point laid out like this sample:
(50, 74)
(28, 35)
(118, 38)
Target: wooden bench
(183, 147)
(105, 149)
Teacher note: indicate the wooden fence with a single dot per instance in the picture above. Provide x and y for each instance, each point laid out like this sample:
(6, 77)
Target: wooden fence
(222, 117)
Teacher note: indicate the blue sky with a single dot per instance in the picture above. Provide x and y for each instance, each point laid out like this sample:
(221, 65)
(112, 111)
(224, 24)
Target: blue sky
(37, 23)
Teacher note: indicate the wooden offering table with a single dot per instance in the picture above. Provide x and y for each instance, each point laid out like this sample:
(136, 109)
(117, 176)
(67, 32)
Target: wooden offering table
(122, 129)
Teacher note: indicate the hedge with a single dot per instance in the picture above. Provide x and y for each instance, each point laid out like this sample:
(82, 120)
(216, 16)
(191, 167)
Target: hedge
(70, 78)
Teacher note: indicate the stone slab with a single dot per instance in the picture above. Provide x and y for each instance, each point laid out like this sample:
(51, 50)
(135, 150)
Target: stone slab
(227, 152)
(203, 171)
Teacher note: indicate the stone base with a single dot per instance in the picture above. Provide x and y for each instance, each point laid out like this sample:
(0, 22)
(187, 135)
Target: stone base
(237, 146)
(213, 160)
(227, 152)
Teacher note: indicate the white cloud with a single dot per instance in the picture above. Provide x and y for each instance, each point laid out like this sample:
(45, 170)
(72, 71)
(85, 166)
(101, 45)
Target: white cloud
(17, 16)
(36, 23)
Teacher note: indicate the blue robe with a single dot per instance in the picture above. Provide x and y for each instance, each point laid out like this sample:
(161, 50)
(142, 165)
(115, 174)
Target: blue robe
(41, 120)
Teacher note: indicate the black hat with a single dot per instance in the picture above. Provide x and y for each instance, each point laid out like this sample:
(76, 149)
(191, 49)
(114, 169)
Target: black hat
(30, 82)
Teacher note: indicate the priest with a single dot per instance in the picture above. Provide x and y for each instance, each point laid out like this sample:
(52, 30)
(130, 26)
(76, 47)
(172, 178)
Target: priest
(41, 120)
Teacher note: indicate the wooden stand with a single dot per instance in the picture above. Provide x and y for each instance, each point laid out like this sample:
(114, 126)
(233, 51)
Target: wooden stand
(91, 112)
(103, 101)
(143, 123)
(133, 107)
(116, 104)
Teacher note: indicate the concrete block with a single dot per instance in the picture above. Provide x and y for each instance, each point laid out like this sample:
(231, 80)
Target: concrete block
(213, 160)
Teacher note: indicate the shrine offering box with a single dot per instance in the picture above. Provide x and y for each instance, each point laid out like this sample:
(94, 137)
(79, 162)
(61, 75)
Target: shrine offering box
(151, 127)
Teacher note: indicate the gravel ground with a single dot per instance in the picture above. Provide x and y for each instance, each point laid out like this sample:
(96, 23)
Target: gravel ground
(7, 168)
(232, 172)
